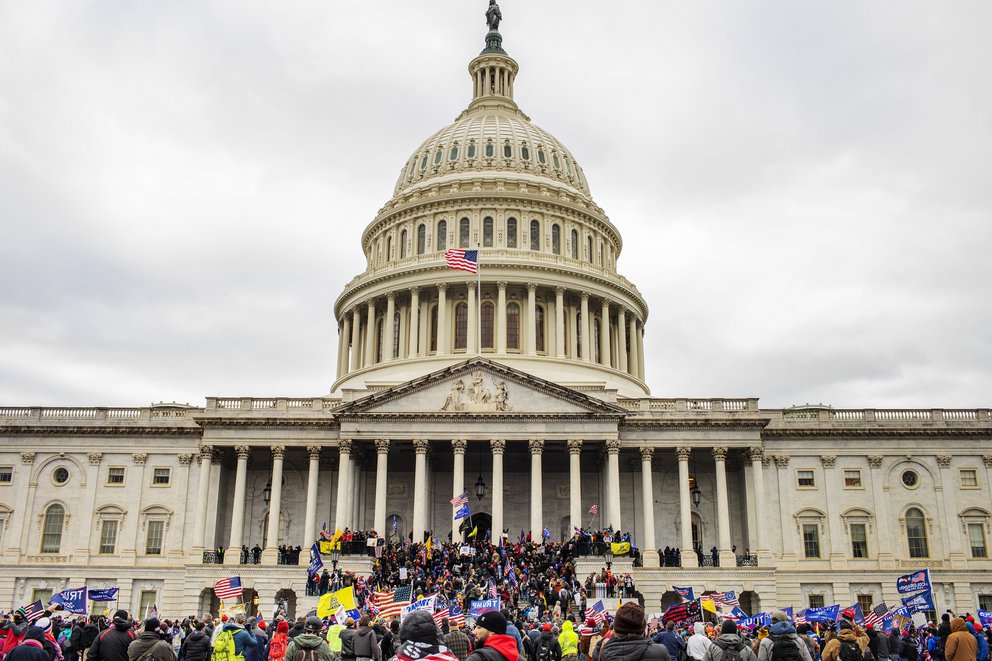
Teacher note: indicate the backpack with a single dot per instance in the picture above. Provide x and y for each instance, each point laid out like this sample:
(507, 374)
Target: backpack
(850, 651)
(277, 648)
(543, 650)
(224, 648)
(149, 654)
(786, 648)
(731, 654)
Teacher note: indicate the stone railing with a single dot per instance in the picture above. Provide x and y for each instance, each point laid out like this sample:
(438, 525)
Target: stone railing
(815, 414)
(94, 414)
(692, 406)
(249, 404)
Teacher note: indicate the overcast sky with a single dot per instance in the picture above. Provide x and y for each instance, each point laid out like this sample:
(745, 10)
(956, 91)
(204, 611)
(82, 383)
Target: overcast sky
(804, 189)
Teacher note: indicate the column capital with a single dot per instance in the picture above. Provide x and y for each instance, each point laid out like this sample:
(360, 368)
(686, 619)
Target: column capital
(612, 446)
(497, 445)
(574, 445)
(243, 451)
(828, 460)
(683, 452)
(94, 458)
(987, 458)
(278, 451)
(344, 445)
(442, 286)
(382, 446)
(756, 453)
(535, 445)
(605, 302)
(139, 458)
(459, 445)
(27, 457)
(370, 303)
(421, 445)
(875, 460)
(531, 287)
(782, 460)
(559, 291)
(944, 460)
(414, 291)
(647, 454)
(313, 451)
(720, 453)
(501, 284)
(186, 458)
(206, 452)
(584, 295)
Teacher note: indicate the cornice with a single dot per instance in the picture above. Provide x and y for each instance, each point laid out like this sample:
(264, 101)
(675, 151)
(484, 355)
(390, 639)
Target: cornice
(101, 430)
(918, 432)
(479, 417)
(329, 422)
(631, 423)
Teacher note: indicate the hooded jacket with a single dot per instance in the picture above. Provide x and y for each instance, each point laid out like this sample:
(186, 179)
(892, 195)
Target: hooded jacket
(831, 651)
(878, 643)
(728, 641)
(568, 639)
(196, 647)
(14, 634)
(146, 641)
(112, 644)
(243, 639)
(961, 645)
(778, 630)
(698, 642)
(983, 644)
(30, 648)
(501, 644)
(299, 647)
(630, 647)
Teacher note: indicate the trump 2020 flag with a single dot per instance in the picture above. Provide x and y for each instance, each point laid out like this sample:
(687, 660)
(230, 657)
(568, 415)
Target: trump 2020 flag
(685, 593)
(103, 594)
(919, 603)
(71, 601)
(918, 581)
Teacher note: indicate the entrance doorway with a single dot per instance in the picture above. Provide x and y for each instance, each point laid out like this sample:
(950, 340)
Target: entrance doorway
(481, 520)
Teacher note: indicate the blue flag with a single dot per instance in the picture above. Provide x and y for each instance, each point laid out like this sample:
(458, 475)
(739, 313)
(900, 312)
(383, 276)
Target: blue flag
(919, 603)
(104, 594)
(462, 512)
(918, 581)
(685, 593)
(759, 620)
(316, 564)
(790, 611)
(71, 601)
(825, 614)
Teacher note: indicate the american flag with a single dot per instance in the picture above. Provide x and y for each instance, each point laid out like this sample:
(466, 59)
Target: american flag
(597, 611)
(594, 510)
(723, 599)
(458, 501)
(492, 590)
(456, 615)
(801, 617)
(440, 615)
(228, 588)
(389, 604)
(874, 617)
(34, 611)
(463, 260)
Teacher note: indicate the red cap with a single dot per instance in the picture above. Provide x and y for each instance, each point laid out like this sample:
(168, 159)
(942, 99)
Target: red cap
(848, 613)
(590, 622)
(546, 627)
(282, 627)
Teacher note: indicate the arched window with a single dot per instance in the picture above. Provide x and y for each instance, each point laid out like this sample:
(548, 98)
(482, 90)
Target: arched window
(403, 244)
(535, 235)
(539, 327)
(51, 529)
(433, 331)
(463, 233)
(513, 326)
(487, 232)
(389, 248)
(442, 235)
(378, 341)
(916, 534)
(438, 155)
(421, 239)
(461, 326)
(589, 249)
(575, 244)
(507, 150)
(454, 152)
(488, 313)
(595, 340)
(556, 239)
(511, 232)
(578, 334)
(396, 335)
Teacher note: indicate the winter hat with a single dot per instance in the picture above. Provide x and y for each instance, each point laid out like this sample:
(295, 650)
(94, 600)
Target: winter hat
(282, 627)
(546, 627)
(630, 619)
(728, 626)
(223, 618)
(780, 616)
(419, 627)
(844, 624)
(590, 623)
(44, 624)
(34, 633)
(492, 621)
(151, 624)
(313, 624)
(262, 625)
(120, 615)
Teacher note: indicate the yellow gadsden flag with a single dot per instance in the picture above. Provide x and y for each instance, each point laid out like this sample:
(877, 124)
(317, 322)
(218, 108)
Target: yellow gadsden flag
(474, 532)
(708, 605)
(620, 548)
(332, 601)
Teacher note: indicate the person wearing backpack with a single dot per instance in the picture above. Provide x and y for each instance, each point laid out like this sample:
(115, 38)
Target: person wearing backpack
(983, 645)
(629, 642)
(196, 646)
(729, 646)
(846, 646)
(783, 635)
(233, 640)
(309, 646)
(149, 645)
(546, 647)
(112, 644)
(279, 642)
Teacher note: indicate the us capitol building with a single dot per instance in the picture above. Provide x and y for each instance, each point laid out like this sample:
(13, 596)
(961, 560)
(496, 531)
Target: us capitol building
(529, 393)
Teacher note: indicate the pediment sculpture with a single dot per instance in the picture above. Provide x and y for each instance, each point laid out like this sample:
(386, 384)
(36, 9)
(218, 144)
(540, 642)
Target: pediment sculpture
(476, 396)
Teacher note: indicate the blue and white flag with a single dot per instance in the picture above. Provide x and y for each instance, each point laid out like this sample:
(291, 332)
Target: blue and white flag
(919, 603)
(825, 614)
(985, 617)
(918, 581)
(759, 620)
(425, 604)
(462, 512)
(71, 601)
(477, 607)
(104, 594)
(685, 593)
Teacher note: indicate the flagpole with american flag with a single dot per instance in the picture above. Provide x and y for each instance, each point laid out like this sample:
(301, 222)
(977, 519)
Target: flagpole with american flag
(468, 260)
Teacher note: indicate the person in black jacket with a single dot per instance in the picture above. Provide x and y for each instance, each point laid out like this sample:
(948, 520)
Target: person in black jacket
(111, 644)
(196, 646)
(89, 634)
(628, 642)
(31, 648)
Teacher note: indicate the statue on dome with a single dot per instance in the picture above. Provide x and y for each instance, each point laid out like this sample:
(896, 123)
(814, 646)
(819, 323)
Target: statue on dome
(493, 16)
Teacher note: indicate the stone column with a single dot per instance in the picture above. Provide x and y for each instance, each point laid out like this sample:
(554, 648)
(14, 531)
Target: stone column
(604, 333)
(536, 447)
(442, 321)
(648, 542)
(575, 482)
(387, 328)
(458, 447)
(585, 351)
(344, 330)
(788, 527)
(756, 455)
(952, 525)
(471, 327)
(634, 356)
(613, 482)
(356, 335)
(500, 330)
(622, 339)
(640, 352)
(200, 532)
(727, 558)
(344, 483)
(381, 475)
(498, 446)
(420, 447)
(560, 323)
(414, 322)
(270, 554)
(531, 318)
(886, 559)
(238, 510)
(370, 334)
(689, 558)
(313, 476)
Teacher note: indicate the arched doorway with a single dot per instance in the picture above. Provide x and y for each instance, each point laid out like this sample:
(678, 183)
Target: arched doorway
(286, 602)
(250, 598)
(209, 603)
(483, 521)
(750, 603)
(669, 599)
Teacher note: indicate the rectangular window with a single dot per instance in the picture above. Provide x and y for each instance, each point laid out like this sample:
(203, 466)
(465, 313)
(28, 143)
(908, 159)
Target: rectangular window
(153, 540)
(867, 602)
(511, 232)
(811, 540)
(147, 603)
(6, 474)
(816, 601)
(976, 535)
(115, 475)
(42, 595)
(805, 478)
(108, 537)
(852, 479)
(985, 602)
(859, 540)
(161, 476)
(969, 478)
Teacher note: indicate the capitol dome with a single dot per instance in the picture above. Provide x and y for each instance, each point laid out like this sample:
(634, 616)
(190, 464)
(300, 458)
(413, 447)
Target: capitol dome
(548, 299)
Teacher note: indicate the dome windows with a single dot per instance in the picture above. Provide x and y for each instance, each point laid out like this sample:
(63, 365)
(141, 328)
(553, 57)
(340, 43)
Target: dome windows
(554, 158)
(453, 155)
(525, 152)
(442, 235)
(423, 163)
(403, 244)
(535, 235)
(490, 149)
(487, 232)
(541, 158)
(463, 233)
(421, 239)
(511, 232)
(574, 247)
(507, 150)
(556, 239)
(470, 151)
(438, 155)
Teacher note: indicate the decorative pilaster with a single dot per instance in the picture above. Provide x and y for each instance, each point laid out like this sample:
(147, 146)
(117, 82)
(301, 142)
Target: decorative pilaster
(442, 322)
(238, 509)
(622, 339)
(313, 476)
(727, 558)
(206, 456)
(387, 327)
(341, 518)
(414, 328)
(585, 350)
(756, 456)
(139, 458)
(501, 316)
(270, 553)
(94, 458)
(458, 447)
(381, 477)
(185, 458)
(531, 318)
(560, 325)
